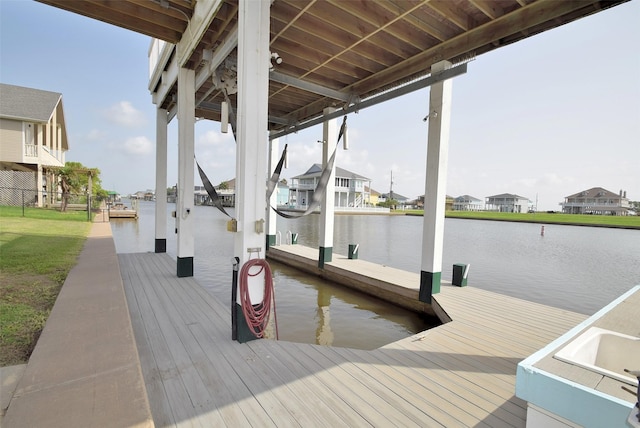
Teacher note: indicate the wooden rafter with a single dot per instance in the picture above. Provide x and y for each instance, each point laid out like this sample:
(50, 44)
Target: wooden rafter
(357, 47)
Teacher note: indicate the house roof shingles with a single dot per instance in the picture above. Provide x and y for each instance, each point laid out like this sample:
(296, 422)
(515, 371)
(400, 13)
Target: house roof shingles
(17, 102)
(467, 198)
(506, 196)
(595, 192)
(316, 171)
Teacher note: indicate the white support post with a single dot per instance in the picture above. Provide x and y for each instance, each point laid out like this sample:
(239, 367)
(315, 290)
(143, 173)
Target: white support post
(161, 181)
(39, 185)
(274, 157)
(54, 131)
(435, 184)
(184, 207)
(329, 137)
(47, 142)
(251, 150)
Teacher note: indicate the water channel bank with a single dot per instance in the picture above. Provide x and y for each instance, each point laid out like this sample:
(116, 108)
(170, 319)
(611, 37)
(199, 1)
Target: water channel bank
(615, 222)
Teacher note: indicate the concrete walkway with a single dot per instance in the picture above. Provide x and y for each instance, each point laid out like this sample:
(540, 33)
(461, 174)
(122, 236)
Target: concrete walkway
(84, 370)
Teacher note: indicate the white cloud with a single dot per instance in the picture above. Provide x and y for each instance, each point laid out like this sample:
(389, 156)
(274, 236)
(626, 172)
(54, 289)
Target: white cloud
(96, 134)
(213, 138)
(547, 179)
(302, 156)
(138, 146)
(125, 114)
(526, 182)
(551, 178)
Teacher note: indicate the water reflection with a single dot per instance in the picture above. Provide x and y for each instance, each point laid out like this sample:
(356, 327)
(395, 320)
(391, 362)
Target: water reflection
(324, 335)
(320, 312)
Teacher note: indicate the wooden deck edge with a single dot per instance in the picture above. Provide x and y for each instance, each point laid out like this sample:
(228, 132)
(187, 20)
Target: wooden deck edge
(401, 296)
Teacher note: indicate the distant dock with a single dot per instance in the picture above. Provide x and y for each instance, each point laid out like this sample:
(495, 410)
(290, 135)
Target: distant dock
(120, 211)
(123, 214)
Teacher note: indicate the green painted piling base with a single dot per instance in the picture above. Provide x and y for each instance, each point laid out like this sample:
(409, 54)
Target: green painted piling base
(161, 246)
(271, 241)
(185, 267)
(242, 332)
(353, 252)
(458, 278)
(429, 285)
(326, 253)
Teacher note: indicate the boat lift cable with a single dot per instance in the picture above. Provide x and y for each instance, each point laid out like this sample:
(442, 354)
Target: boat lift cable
(257, 314)
(318, 194)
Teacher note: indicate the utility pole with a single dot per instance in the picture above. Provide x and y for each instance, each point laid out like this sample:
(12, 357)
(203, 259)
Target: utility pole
(391, 187)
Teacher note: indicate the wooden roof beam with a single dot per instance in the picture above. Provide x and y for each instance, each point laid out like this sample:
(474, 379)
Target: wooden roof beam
(490, 8)
(309, 86)
(432, 27)
(203, 15)
(292, 22)
(451, 13)
(101, 11)
(514, 22)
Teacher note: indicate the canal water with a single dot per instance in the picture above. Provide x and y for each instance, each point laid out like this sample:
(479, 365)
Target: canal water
(576, 268)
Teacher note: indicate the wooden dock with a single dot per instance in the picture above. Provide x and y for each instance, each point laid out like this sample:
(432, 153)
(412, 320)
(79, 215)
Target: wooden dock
(459, 374)
(123, 213)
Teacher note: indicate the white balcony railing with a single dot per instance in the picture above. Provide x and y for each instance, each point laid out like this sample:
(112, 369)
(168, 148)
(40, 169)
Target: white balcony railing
(305, 186)
(31, 150)
(593, 204)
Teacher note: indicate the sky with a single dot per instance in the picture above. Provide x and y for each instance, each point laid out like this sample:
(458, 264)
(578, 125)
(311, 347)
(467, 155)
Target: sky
(543, 118)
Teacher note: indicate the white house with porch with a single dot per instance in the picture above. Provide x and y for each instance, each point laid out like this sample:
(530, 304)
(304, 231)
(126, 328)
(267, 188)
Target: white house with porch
(351, 189)
(467, 203)
(507, 203)
(596, 201)
(33, 138)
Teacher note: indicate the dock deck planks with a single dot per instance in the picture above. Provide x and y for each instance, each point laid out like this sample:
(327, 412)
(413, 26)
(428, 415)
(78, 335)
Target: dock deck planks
(459, 374)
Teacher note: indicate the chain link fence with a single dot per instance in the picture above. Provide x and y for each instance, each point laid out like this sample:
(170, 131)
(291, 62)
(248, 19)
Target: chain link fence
(28, 198)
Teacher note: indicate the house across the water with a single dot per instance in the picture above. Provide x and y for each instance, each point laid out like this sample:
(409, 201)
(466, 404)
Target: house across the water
(508, 203)
(352, 191)
(597, 201)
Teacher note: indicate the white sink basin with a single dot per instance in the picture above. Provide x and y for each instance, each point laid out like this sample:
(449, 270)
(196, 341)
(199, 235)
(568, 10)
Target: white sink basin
(605, 352)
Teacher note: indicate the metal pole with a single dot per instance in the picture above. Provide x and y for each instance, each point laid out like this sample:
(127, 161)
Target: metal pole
(234, 298)
(23, 203)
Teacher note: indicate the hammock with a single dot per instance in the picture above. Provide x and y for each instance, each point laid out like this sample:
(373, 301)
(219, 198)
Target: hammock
(317, 196)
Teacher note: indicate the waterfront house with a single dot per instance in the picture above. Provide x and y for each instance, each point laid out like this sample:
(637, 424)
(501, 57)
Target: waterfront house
(282, 192)
(596, 201)
(418, 203)
(402, 200)
(374, 196)
(507, 203)
(200, 195)
(226, 191)
(467, 203)
(33, 140)
(352, 190)
(144, 195)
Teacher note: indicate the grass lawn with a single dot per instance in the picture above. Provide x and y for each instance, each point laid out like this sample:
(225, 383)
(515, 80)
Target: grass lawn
(631, 222)
(36, 253)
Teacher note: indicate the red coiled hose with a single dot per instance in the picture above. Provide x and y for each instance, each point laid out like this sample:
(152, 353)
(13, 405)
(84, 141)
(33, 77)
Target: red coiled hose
(257, 315)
